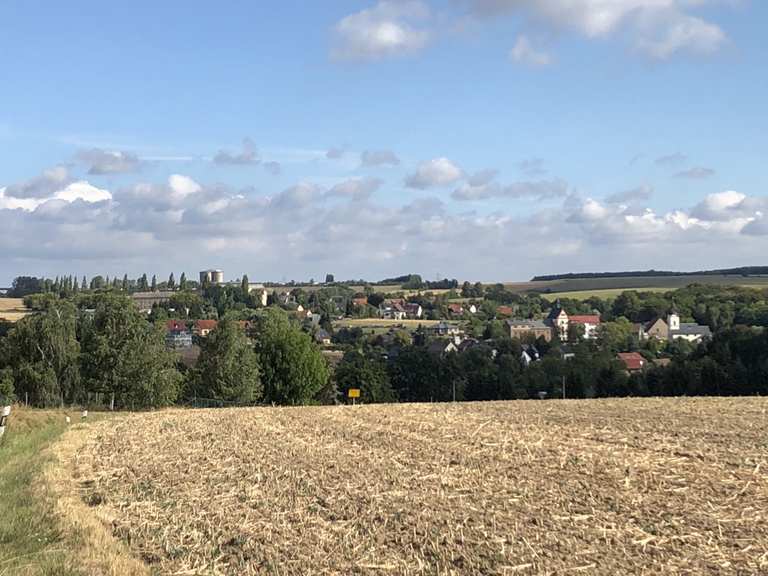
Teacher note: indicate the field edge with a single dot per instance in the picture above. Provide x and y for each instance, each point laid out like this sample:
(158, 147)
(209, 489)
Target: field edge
(85, 528)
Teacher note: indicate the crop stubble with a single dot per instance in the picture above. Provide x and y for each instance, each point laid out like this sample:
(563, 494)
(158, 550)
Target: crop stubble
(677, 486)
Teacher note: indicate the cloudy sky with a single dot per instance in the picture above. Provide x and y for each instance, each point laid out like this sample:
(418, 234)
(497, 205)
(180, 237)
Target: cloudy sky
(477, 139)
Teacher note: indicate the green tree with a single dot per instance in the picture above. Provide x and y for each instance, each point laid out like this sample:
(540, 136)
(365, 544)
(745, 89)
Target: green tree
(154, 283)
(228, 368)
(171, 282)
(366, 373)
(244, 286)
(124, 356)
(125, 283)
(42, 350)
(293, 369)
(616, 336)
(25, 285)
(6, 386)
(183, 282)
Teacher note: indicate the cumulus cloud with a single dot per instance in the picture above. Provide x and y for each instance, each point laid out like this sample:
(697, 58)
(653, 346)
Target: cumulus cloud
(659, 28)
(334, 153)
(434, 173)
(379, 158)
(42, 186)
(723, 206)
(100, 161)
(184, 223)
(523, 52)
(248, 155)
(482, 177)
(696, 173)
(720, 217)
(389, 28)
(355, 189)
(68, 193)
(539, 190)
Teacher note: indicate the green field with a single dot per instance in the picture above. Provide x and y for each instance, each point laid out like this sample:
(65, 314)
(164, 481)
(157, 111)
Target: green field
(606, 294)
(610, 287)
(583, 288)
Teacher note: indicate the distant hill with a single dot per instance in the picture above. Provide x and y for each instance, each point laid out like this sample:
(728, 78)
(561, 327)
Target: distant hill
(743, 271)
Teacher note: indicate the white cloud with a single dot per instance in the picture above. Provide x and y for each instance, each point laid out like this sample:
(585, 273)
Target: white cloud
(83, 191)
(659, 28)
(721, 206)
(539, 190)
(355, 189)
(247, 156)
(182, 186)
(433, 173)
(523, 52)
(389, 28)
(379, 158)
(101, 161)
(42, 186)
(305, 229)
(682, 33)
(73, 191)
(721, 217)
(696, 173)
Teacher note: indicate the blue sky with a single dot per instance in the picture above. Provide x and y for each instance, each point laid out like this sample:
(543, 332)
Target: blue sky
(514, 137)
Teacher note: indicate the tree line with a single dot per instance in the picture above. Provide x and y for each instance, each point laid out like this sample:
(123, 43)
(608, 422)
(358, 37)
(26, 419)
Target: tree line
(99, 349)
(68, 285)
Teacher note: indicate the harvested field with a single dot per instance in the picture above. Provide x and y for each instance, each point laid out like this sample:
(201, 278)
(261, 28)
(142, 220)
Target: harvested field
(12, 309)
(676, 486)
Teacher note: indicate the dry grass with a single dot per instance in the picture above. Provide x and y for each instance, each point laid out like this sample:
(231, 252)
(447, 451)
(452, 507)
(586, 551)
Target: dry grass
(593, 487)
(92, 548)
(45, 528)
(12, 309)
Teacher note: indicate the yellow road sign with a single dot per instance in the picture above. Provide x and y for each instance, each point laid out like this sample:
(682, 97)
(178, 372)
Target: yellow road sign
(354, 393)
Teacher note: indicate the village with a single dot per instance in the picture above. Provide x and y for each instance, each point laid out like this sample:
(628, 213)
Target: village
(443, 321)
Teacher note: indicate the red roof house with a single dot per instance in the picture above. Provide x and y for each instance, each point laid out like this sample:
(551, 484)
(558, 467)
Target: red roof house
(633, 361)
(204, 327)
(176, 326)
(504, 311)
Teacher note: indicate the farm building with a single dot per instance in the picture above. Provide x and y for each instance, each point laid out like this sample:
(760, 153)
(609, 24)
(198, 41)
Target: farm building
(522, 329)
(145, 301)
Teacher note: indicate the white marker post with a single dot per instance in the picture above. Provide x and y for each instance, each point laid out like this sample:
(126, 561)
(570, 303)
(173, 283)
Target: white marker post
(3, 419)
(84, 415)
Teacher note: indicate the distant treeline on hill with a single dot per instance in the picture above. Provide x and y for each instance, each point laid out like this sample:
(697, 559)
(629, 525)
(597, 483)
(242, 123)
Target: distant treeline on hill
(743, 271)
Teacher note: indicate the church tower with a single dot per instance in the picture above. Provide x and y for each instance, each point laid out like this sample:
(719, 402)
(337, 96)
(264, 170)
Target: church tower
(673, 321)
